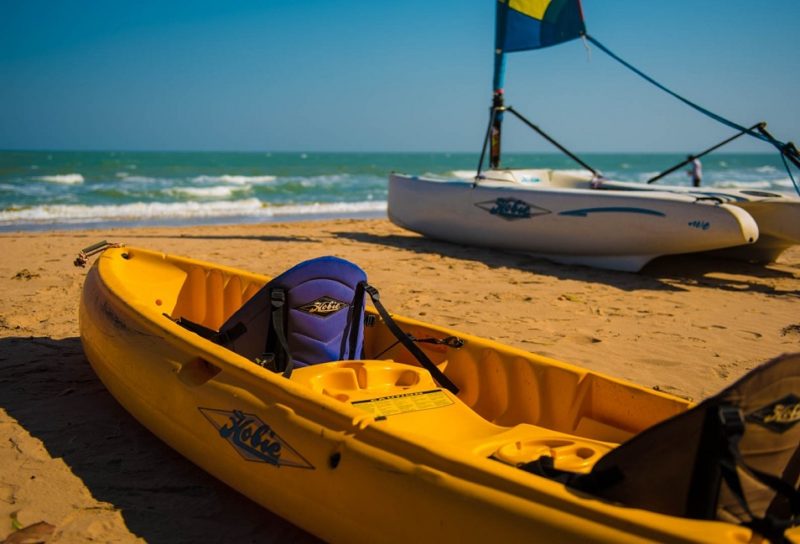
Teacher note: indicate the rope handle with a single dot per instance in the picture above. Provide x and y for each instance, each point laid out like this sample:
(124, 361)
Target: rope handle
(83, 257)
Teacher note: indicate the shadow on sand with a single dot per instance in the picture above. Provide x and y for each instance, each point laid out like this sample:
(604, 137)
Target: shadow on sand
(662, 274)
(292, 239)
(50, 389)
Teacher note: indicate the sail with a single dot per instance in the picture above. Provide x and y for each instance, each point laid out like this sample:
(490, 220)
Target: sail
(533, 24)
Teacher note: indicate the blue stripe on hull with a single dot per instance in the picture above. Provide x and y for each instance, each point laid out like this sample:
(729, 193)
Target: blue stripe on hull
(586, 211)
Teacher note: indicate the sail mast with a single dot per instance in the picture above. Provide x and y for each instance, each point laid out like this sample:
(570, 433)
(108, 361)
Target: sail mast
(496, 111)
(521, 25)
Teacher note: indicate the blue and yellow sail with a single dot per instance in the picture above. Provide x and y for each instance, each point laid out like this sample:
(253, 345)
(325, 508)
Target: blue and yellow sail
(533, 24)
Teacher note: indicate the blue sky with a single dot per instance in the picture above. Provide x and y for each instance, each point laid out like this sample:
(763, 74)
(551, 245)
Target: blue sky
(409, 75)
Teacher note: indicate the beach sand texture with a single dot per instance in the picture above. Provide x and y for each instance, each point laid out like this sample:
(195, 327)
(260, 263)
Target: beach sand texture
(73, 460)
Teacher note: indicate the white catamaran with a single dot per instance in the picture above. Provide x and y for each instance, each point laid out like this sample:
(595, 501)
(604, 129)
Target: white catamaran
(561, 215)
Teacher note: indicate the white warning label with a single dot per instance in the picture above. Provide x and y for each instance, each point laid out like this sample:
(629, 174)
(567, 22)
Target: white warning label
(407, 402)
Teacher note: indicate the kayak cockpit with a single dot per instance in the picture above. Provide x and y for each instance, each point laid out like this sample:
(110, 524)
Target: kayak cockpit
(405, 399)
(504, 387)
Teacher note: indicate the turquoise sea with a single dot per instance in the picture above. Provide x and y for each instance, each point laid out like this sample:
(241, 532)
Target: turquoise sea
(65, 190)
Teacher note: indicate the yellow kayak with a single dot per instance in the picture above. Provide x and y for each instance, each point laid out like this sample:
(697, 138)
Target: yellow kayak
(374, 449)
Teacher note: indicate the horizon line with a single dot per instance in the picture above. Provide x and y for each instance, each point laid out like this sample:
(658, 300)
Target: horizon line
(364, 152)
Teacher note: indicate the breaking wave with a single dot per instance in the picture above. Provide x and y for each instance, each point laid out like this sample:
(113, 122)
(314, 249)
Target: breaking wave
(69, 214)
(65, 179)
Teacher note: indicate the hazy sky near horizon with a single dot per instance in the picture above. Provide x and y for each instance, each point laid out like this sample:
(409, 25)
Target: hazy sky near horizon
(351, 75)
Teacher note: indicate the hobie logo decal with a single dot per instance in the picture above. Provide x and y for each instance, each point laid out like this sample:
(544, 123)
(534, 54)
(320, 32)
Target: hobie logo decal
(779, 416)
(323, 306)
(253, 439)
(511, 208)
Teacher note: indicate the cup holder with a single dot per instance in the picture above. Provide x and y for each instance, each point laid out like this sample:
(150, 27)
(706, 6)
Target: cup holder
(568, 454)
(353, 380)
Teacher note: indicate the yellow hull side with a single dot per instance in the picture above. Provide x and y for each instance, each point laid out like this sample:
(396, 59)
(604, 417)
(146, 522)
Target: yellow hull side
(342, 473)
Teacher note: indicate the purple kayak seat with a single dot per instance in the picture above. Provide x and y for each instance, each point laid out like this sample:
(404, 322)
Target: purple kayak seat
(312, 313)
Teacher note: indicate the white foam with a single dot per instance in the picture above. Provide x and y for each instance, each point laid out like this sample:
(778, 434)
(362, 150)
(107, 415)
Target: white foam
(141, 211)
(236, 180)
(206, 192)
(314, 181)
(141, 179)
(333, 208)
(66, 179)
(138, 210)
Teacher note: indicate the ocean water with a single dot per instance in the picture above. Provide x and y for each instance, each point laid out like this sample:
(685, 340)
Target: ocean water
(42, 190)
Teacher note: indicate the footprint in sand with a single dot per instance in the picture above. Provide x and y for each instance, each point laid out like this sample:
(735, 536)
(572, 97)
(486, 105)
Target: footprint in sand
(537, 342)
(669, 334)
(722, 371)
(751, 334)
(659, 362)
(793, 330)
(582, 339)
(7, 493)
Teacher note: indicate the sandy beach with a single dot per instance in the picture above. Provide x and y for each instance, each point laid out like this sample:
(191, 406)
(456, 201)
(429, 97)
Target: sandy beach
(81, 468)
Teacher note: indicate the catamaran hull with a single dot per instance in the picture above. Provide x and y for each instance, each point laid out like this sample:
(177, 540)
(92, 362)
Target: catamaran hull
(777, 216)
(605, 229)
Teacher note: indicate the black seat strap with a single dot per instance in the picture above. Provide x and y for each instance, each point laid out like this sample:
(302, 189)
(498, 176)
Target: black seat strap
(354, 317)
(423, 359)
(194, 327)
(592, 482)
(790, 474)
(732, 429)
(210, 334)
(277, 299)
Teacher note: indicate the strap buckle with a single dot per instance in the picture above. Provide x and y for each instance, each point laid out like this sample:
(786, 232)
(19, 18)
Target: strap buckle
(277, 298)
(267, 360)
(373, 293)
(731, 419)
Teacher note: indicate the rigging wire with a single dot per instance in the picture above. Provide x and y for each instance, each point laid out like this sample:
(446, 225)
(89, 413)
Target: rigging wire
(698, 155)
(787, 150)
